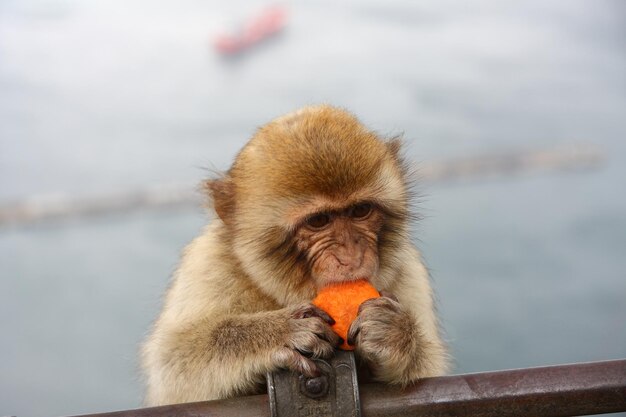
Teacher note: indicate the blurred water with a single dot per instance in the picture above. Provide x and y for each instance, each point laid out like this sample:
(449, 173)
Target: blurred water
(101, 95)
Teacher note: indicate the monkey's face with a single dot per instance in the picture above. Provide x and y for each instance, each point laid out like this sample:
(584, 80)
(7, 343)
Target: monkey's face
(314, 198)
(341, 245)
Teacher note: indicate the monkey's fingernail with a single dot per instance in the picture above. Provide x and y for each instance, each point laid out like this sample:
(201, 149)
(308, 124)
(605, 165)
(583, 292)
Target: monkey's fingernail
(327, 319)
(322, 315)
(351, 338)
(360, 310)
(389, 295)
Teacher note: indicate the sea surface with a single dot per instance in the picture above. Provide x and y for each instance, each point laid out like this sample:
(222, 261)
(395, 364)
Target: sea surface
(98, 96)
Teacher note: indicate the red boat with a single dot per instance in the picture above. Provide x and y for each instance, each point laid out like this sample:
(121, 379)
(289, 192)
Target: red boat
(267, 23)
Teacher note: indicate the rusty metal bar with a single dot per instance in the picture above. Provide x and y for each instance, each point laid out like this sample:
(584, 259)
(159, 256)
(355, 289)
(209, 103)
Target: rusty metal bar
(554, 391)
(251, 406)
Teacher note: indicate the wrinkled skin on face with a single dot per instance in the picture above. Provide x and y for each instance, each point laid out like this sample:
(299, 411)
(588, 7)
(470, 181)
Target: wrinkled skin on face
(341, 245)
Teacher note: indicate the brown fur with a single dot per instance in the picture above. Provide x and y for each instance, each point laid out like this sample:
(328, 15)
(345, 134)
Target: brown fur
(239, 302)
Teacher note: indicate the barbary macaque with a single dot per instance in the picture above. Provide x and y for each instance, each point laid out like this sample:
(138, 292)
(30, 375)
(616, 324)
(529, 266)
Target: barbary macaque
(314, 198)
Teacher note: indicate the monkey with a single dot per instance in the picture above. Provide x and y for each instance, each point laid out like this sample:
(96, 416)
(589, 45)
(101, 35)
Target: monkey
(313, 198)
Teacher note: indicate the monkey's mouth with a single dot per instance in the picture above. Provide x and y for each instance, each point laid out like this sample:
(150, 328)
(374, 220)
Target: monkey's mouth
(354, 278)
(349, 276)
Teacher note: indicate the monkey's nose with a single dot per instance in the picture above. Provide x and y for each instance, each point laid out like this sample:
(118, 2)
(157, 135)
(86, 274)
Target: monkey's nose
(343, 261)
(340, 260)
(350, 260)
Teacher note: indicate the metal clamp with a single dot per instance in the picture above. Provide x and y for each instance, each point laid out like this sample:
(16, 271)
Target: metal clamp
(335, 393)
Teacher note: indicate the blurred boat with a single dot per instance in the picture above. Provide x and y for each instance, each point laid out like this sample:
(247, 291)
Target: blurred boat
(261, 27)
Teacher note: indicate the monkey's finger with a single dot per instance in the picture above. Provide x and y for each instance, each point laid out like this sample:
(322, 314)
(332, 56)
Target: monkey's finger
(314, 311)
(306, 367)
(381, 302)
(290, 359)
(319, 349)
(322, 330)
(303, 341)
(331, 337)
(323, 349)
(365, 304)
(353, 332)
(308, 342)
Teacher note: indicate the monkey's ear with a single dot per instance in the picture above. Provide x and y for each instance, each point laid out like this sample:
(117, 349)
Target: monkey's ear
(222, 192)
(394, 146)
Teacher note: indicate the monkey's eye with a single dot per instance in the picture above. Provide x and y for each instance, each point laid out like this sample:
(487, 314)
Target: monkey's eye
(318, 221)
(361, 211)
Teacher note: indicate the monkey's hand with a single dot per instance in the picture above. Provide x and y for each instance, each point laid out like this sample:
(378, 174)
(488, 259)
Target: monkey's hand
(308, 336)
(386, 336)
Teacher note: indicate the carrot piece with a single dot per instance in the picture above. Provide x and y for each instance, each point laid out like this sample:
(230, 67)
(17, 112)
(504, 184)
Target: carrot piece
(341, 301)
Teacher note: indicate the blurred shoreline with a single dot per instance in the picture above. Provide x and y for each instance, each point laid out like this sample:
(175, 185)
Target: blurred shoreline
(477, 167)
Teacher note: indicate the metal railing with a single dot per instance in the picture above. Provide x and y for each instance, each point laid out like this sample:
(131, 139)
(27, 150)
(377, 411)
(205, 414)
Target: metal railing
(554, 391)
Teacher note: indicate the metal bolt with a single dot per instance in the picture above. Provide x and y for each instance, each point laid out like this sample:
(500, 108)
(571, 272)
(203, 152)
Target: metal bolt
(314, 387)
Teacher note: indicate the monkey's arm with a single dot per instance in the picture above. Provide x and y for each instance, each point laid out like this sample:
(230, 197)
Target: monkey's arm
(218, 358)
(398, 335)
(218, 334)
